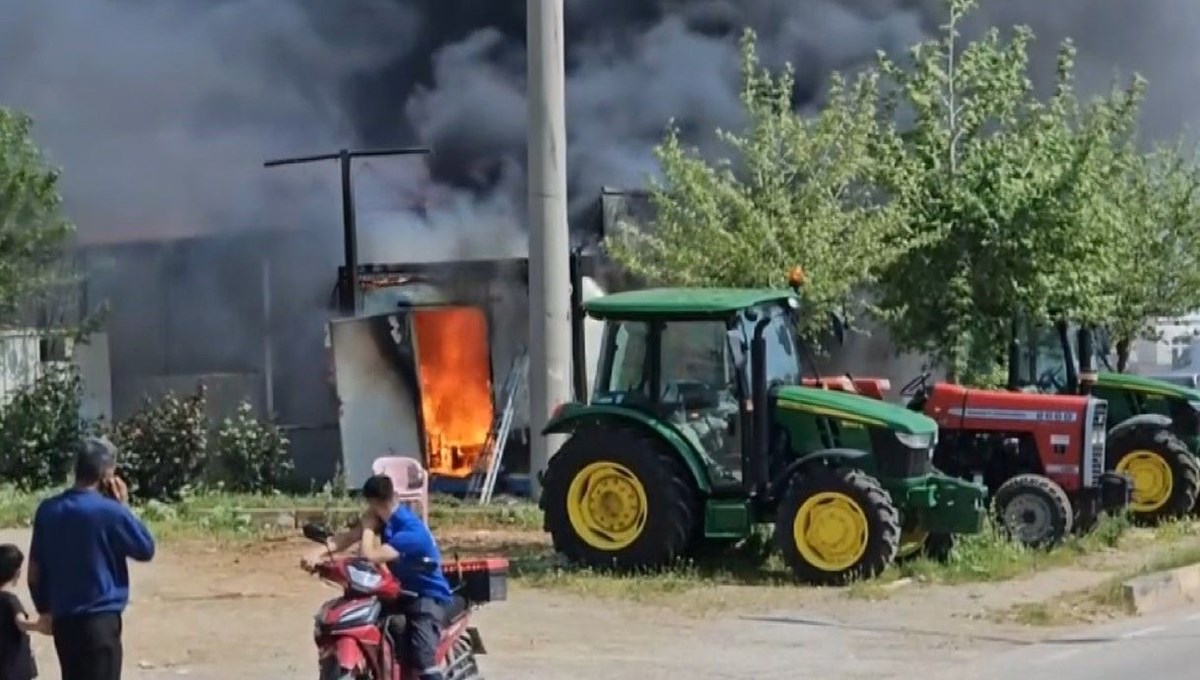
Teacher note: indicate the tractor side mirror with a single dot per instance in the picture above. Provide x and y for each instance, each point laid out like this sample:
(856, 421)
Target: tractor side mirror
(838, 325)
(737, 348)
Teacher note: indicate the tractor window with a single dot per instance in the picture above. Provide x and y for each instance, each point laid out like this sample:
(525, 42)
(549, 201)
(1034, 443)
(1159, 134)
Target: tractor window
(1043, 363)
(624, 376)
(694, 357)
(699, 388)
(783, 358)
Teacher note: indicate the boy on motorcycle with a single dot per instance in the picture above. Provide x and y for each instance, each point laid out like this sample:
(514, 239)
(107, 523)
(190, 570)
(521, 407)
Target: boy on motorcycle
(392, 534)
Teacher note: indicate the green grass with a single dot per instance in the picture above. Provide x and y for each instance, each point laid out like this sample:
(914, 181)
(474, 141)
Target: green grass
(233, 515)
(988, 556)
(514, 529)
(984, 557)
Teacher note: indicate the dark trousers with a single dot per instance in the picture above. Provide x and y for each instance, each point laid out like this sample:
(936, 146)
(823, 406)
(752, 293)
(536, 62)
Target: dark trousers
(89, 647)
(419, 621)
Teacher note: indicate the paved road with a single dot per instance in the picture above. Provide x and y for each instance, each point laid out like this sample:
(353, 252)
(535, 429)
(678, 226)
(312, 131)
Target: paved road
(769, 648)
(1165, 647)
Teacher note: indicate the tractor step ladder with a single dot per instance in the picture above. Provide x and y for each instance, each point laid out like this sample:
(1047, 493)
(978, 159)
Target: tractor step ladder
(487, 467)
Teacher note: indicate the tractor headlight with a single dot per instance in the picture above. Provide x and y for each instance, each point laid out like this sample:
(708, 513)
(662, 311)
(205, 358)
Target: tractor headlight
(1195, 404)
(925, 440)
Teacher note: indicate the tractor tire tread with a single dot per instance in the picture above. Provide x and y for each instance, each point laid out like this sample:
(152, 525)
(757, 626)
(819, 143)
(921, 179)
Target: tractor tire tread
(882, 516)
(1185, 469)
(674, 503)
(1060, 505)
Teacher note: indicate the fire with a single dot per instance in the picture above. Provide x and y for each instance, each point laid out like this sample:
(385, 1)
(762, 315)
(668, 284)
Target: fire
(456, 386)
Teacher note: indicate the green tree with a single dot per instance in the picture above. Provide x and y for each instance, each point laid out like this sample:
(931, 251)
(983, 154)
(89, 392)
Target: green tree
(33, 230)
(1156, 270)
(1003, 193)
(791, 191)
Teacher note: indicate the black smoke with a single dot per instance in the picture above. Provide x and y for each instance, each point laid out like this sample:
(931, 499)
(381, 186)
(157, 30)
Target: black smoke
(160, 113)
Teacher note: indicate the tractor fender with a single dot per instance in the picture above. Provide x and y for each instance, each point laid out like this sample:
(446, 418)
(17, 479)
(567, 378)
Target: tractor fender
(575, 416)
(827, 456)
(1145, 422)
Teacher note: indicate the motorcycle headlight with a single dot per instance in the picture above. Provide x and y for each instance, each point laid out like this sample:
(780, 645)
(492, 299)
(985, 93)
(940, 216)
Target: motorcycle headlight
(918, 441)
(363, 578)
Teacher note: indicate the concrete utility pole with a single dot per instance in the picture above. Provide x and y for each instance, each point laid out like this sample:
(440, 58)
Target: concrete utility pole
(549, 297)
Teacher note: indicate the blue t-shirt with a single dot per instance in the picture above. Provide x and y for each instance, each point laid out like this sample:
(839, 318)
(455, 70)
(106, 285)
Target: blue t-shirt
(81, 541)
(409, 536)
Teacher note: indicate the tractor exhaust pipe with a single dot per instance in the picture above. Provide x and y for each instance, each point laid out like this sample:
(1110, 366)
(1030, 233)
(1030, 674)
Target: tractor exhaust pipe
(578, 348)
(1014, 357)
(1087, 372)
(760, 470)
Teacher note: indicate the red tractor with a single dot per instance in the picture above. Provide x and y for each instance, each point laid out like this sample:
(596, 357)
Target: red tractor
(1040, 456)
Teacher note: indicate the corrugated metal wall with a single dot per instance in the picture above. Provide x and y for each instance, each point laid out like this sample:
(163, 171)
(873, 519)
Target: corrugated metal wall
(20, 361)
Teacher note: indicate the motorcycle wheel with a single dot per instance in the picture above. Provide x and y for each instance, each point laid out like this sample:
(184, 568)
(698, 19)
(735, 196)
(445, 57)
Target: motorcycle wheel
(462, 665)
(330, 670)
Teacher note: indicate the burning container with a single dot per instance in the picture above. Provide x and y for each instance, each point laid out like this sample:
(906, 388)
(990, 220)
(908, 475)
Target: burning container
(419, 375)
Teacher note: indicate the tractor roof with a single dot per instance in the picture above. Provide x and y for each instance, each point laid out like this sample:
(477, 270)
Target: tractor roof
(683, 303)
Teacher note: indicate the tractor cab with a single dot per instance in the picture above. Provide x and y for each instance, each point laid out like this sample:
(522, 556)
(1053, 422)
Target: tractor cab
(1058, 358)
(1153, 426)
(690, 365)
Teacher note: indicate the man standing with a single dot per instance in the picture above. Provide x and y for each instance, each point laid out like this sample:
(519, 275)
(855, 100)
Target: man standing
(78, 575)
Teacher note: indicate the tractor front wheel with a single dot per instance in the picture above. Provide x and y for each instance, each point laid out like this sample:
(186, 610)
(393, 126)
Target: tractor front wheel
(1165, 475)
(617, 498)
(1033, 510)
(836, 525)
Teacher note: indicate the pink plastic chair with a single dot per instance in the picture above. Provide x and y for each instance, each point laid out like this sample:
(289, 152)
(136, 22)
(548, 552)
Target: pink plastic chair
(410, 480)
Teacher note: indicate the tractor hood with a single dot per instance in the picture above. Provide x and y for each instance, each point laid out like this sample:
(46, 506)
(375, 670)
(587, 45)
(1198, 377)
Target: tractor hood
(1136, 383)
(855, 408)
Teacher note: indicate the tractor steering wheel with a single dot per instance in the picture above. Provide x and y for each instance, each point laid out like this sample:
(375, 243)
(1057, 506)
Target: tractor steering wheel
(1051, 380)
(917, 385)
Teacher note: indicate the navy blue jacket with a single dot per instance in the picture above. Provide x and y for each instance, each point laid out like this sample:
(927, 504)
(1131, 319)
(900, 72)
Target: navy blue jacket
(81, 541)
(409, 536)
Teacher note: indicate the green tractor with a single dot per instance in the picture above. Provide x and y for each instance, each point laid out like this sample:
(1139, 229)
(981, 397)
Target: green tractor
(698, 429)
(1153, 425)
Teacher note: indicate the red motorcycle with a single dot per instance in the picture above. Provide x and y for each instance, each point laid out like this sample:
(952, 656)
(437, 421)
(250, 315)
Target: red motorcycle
(356, 641)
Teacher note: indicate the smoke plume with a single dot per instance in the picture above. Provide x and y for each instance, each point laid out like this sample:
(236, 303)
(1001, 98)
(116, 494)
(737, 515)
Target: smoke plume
(161, 113)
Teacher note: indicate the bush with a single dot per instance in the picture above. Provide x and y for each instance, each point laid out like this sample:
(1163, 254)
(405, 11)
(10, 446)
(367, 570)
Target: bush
(253, 455)
(164, 446)
(38, 428)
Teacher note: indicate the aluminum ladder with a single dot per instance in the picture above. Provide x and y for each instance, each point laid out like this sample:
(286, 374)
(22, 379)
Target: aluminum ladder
(487, 467)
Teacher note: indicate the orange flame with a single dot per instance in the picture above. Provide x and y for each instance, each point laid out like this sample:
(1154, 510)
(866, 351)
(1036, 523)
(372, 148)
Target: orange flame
(456, 386)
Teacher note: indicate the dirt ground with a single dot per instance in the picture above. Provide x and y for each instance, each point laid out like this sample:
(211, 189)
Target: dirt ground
(212, 613)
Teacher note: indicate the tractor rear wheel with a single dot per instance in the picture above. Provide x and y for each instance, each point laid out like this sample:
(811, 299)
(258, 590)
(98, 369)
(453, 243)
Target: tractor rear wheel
(1165, 475)
(617, 498)
(836, 526)
(1033, 510)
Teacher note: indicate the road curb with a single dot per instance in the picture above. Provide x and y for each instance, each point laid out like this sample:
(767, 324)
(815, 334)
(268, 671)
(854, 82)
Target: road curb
(1163, 590)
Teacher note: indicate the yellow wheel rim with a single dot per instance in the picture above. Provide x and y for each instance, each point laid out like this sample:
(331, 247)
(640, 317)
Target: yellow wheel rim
(911, 542)
(606, 504)
(1152, 479)
(831, 531)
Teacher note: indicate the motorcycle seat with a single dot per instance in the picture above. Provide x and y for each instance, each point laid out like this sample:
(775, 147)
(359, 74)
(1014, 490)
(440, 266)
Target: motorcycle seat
(456, 608)
(397, 623)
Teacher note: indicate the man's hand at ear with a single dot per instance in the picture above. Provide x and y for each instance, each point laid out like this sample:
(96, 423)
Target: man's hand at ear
(115, 488)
